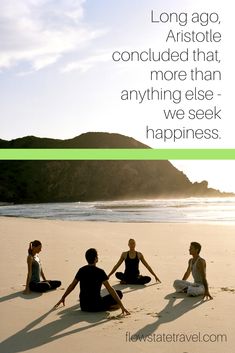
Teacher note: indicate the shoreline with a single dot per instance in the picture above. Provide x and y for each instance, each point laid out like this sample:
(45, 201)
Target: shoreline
(212, 223)
(190, 211)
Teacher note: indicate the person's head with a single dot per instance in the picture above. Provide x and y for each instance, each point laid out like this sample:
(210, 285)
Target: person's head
(91, 256)
(131, 244)
(34, 247)
(195, 248)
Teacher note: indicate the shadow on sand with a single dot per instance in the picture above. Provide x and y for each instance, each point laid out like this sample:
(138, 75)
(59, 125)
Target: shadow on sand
(132, 287)
(172, 311)
(20, 294)
(31, 336)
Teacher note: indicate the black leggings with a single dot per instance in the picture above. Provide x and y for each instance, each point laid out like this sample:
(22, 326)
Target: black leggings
(106, 303)
(135, 280)
(44, 286)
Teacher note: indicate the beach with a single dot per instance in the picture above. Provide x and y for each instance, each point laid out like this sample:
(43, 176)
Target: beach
(160, 321)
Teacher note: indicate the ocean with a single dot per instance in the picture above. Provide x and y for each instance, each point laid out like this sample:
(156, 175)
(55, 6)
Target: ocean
(187, 210)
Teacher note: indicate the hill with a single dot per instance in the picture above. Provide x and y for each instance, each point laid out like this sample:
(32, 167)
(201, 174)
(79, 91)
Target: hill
(65, 181)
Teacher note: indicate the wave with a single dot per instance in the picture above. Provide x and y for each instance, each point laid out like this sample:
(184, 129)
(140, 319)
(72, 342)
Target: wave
(197, 210)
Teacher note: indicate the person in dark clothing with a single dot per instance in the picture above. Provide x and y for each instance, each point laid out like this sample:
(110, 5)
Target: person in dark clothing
(131, 274)
(35, 272)
(91, 279)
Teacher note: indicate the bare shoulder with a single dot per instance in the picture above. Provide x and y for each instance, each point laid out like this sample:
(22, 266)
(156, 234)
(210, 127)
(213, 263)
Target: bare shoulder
(29, 259)
(124, 255)
(140, 255)
(201, 261)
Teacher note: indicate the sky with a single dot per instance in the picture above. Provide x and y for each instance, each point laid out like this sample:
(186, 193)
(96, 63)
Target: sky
(58, 79)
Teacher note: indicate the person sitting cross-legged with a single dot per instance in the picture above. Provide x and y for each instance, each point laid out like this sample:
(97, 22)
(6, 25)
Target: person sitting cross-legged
(91, 279)
(196, 266)
(131, 274)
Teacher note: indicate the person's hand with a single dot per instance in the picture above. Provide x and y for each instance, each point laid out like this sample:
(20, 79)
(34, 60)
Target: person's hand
(125, 311)
(207, 295)
(157, 279)
(59, 302)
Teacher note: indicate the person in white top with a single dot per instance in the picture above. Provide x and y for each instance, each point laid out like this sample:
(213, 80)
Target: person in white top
(196, 266)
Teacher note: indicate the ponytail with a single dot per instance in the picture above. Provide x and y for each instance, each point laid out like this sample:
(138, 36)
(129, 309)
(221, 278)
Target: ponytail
(30, 248)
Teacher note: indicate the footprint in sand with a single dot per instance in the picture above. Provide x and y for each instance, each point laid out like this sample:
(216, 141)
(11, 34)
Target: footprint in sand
(154, 314)
(137, 310)
(226, 289)
(116, 317)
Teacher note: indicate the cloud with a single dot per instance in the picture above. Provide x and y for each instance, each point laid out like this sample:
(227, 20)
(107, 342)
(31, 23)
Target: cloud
(86, 64)
(40, 32)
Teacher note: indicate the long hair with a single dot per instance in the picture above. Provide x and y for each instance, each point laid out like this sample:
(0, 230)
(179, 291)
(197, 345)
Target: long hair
(33, 244)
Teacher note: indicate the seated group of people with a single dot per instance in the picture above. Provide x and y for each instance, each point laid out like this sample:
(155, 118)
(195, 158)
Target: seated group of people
(92, 278)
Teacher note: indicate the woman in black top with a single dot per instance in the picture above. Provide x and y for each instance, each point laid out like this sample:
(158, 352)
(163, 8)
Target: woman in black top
(35, 272)
(131, 274)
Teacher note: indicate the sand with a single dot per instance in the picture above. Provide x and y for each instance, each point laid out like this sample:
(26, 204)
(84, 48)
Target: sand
(167, 321)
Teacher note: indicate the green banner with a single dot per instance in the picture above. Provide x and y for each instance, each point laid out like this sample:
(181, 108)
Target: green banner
(115, 154)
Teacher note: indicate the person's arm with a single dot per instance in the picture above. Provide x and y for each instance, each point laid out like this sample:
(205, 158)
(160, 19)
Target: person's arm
(144, 262)
(29, 274)
(188, 271)
(42, 274)
(67, 292)
(201, 266)
(113, 293)
(120, 261)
